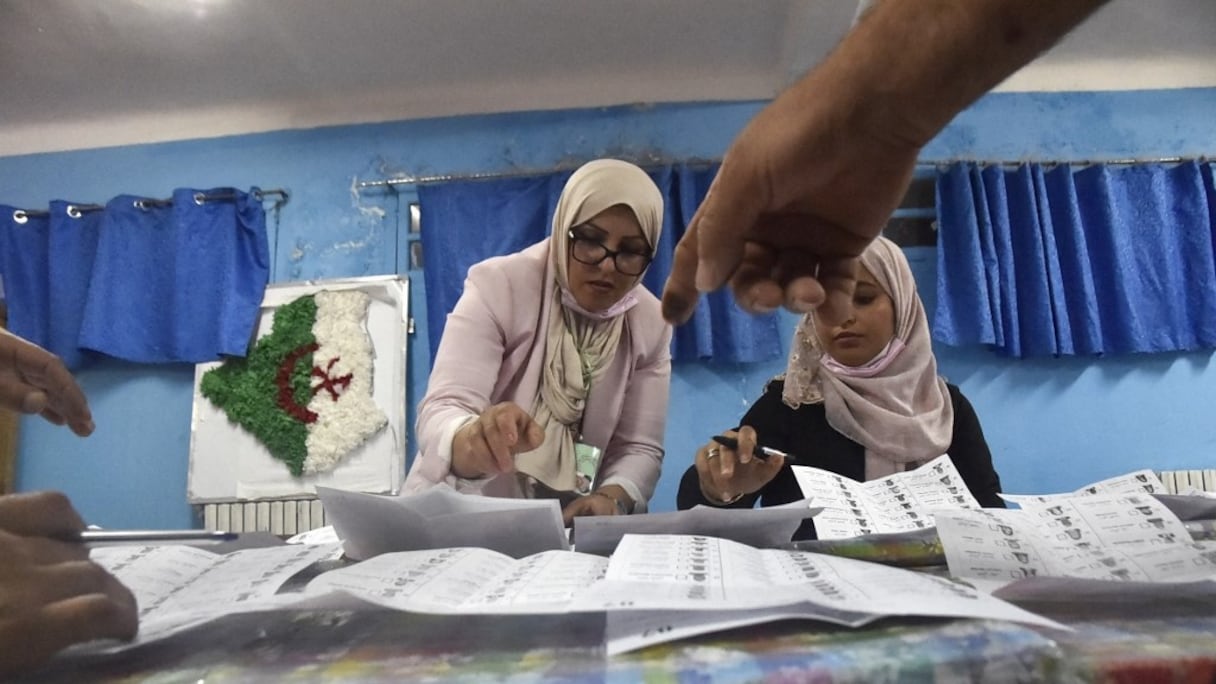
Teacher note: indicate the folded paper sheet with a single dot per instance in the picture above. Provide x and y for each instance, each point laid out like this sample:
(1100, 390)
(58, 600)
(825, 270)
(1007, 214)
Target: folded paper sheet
(760, 527)
(370, 524)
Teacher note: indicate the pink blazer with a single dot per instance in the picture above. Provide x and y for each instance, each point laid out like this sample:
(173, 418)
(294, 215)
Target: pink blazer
(492, 351)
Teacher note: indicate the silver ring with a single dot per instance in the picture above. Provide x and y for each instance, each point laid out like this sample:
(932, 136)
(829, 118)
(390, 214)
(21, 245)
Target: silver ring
(713, 453)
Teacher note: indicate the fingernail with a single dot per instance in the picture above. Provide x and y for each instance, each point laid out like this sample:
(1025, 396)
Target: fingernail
(707, 276)
(33, 402)
(755, 306)
(674, 308)
(802, 305)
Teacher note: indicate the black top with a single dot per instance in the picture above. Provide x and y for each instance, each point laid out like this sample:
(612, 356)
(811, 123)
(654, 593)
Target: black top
(804, 433)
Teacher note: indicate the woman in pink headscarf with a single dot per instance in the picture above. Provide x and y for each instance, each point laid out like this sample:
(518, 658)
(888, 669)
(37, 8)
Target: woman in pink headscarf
(861, 399)
(553, 370)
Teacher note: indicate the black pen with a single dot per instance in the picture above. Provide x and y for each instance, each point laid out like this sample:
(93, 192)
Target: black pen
(762, 452)
(137, 536)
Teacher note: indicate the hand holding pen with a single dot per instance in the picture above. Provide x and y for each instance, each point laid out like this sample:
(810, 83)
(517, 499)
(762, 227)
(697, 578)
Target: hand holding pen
(733, 465)
(51, 595)
(760, 452)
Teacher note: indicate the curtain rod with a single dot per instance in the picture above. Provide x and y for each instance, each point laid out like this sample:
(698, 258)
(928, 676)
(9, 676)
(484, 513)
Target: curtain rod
(519, 173)
(488, 175)
(77, 210)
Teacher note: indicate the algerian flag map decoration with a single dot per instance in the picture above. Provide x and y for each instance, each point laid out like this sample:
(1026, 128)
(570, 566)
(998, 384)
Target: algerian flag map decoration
(305, 391)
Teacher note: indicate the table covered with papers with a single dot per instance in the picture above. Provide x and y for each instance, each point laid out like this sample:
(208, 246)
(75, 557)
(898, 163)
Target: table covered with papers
(1101, 585)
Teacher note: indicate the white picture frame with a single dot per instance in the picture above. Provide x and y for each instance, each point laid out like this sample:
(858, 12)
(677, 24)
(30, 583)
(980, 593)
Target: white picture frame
(228, 464)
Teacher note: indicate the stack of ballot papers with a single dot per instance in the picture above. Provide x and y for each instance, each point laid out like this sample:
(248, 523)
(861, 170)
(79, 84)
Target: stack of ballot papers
(1115, 530)
(674, 575)
(178, 587)
(654, 588)
(371, 524)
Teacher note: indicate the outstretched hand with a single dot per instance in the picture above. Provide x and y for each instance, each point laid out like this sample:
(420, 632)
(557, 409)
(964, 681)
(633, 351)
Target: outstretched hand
(815, 175)
(488, 444)
(801, 192)
(33, 380)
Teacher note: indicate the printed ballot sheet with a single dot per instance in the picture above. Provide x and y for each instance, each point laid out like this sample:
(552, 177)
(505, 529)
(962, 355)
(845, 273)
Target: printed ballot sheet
(181, 586)
(689, 573)
(897, 503)
(1138, 482)
(657, 588)
(665, 586)
(1127, 537)
(466, 580)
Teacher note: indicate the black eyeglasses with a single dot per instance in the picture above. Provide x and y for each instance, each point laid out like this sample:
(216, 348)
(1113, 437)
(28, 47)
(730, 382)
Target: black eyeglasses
(592, 252)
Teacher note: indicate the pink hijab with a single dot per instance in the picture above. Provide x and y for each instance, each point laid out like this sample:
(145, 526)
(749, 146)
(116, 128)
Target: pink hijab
(896, 406)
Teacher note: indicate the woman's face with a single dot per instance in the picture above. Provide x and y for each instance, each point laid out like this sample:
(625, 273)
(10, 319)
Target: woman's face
(597, 286)
(867, 330)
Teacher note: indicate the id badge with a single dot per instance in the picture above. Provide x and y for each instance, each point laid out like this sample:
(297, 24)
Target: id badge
(586, 465)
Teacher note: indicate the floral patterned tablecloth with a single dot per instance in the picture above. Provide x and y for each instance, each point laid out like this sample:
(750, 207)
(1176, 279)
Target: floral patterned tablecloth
(381, 645)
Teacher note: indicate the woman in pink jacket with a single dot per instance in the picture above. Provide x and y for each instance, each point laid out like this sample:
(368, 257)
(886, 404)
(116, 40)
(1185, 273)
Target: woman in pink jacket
(552, 375)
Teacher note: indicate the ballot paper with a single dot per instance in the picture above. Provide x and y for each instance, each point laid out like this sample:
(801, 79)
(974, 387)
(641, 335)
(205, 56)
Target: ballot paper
(656, 588)
(683, 572)
(467, 580)
(684, 585)
(1138, 482)
(669, 585)
(1127, 537)
(760, 527)
(177, 587)
(896, 503)
(372, 524)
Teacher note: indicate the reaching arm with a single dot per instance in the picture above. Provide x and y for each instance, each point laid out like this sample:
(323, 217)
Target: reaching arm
(923, 61)
(460, 434)
(815, 175)
(33, 380)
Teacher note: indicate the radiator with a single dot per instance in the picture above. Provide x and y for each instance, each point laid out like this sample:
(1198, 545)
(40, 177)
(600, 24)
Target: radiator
(1177, 481)
(281, 517)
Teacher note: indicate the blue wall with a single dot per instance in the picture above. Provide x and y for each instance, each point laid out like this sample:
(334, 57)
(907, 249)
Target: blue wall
(1053, 424)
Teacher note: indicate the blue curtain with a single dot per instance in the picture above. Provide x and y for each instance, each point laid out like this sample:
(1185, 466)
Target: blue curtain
(465, 222)
(153, 282)
(1039, 261)
(24, 249)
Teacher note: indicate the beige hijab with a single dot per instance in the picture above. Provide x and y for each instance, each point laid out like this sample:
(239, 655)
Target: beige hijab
(579, 345)
(898, 407)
